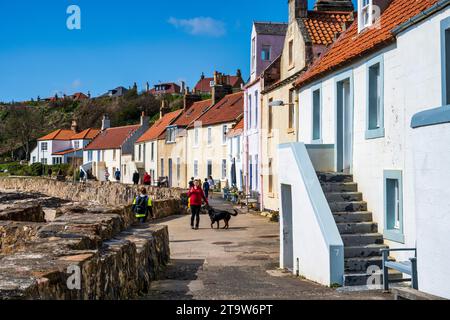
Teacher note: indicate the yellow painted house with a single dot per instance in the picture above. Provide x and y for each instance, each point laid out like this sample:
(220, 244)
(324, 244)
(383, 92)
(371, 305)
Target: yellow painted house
(309, 33)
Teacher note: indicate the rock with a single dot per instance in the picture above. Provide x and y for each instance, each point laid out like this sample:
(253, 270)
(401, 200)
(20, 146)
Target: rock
(15, 235)
(31, 212)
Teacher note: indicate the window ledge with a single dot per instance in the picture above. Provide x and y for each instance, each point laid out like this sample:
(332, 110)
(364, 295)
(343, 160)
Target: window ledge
(394, 235)
(375, 133)
(290, 130)
(431, 117)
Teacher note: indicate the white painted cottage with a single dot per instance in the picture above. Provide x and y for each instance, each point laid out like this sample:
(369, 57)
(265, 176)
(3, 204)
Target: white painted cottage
(112, 149)
(361, 116)
(62, 146)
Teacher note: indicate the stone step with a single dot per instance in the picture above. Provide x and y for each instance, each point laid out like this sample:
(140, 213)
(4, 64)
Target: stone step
(327, 177)
(357, 227)
(360, 278)
(362, 263)
(348, 206)
(370, 250)
(358, 216)
(340, 187)
(343, 196)
(362, 239)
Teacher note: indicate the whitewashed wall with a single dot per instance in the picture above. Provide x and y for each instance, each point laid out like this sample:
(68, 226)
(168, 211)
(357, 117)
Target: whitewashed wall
(412, 82)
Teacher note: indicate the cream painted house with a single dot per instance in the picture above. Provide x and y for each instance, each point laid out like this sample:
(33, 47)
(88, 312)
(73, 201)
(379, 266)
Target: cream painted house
(146, 149)
(207, 145)
(308, 35)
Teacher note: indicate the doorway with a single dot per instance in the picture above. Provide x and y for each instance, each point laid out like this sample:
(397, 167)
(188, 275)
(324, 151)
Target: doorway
(288, 239)
(344, 121)
(170, 172)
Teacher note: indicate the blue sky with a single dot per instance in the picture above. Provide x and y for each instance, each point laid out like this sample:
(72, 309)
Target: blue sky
(121, 42)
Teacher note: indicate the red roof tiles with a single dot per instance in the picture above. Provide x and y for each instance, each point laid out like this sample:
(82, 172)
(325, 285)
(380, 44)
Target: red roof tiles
(351, 45)
(112, 138)
(61, 153)
(86, 134)
(159, 127)
(192, 114)
(322, 26)
(59, 134)
(237, 130)
(226, 110)
(204, 85)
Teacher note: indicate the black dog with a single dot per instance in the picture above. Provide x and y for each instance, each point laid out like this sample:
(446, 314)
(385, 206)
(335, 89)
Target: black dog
(217, 215)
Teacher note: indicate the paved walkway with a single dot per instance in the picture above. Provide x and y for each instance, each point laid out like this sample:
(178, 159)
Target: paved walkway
(239, 263)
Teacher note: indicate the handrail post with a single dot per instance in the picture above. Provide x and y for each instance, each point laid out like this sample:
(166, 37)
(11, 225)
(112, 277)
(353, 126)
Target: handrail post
(385, 270)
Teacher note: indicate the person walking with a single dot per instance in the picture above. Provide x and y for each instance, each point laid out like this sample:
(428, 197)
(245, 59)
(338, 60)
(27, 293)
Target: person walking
(82, 176)
(206, 188)
(136, 177)
(143, 206)
(211, 186)
(117, 175)
(147, 179)
(106, 175)
(196, 196)
(191, 183)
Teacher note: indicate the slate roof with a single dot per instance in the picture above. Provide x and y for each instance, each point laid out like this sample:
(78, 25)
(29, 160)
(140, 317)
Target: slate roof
(112, 138)
(270, 28)
(351, 46)
(226, 110)
(159, 127)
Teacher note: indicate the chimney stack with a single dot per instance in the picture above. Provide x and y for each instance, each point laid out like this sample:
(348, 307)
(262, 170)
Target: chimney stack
(144, 120)
(164, 108)
(182, 87)
(189, 100)
(74, 126)
(334, 5)
(297, 9)
(106, 123)
(219, 89)
(147, 87)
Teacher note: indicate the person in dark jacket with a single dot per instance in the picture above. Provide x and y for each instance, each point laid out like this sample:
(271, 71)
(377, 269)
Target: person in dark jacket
(196, 196)
(206, 188)
(143, 206)
(191, 183)
(136, 177)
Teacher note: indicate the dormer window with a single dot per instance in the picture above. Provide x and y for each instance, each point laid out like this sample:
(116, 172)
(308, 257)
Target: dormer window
(365, 14)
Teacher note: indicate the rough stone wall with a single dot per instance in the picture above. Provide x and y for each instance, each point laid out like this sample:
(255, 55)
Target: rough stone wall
(116, 260)
(31, 212)
(111, 194)
(15, 235)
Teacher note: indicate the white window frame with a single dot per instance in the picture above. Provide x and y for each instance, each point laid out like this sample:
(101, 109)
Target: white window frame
(44, 146)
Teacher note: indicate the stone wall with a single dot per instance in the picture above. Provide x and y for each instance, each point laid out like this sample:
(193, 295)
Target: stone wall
(115, 259)
(31, 212)
(111, 194)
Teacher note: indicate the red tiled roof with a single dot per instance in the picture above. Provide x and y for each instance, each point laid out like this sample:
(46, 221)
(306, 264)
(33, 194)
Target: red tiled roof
(192, 114)
(238, 129)
(322, 25)
(87, 134)
(79, 96)
(61, 153)
(351, 45)
(204, 85)
(226, 110)
(159, 127)
(59, 134)
(112, 138)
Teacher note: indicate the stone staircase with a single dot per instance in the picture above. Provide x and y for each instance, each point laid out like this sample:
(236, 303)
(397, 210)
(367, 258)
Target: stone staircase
(362, 242)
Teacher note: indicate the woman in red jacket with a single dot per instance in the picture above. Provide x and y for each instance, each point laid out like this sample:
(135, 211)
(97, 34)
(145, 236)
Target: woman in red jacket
(196, 196)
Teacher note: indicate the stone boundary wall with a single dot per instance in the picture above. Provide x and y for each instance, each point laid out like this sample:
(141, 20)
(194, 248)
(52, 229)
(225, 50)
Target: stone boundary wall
(104, 193)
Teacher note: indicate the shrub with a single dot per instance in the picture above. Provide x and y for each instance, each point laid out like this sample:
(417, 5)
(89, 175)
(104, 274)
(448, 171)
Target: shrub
(36, 169)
